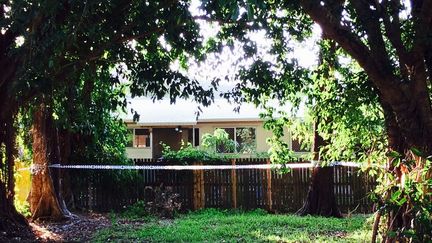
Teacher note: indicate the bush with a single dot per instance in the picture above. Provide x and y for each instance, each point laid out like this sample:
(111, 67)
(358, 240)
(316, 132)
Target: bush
(404, 200)
(164, 203)
(136, 211)
(188, 154)
(22, 207)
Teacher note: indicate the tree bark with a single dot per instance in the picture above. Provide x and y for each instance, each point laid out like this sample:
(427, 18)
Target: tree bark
(409, 99)
(43, 200)
(12, 223)
(396, 219)
(320, 199)
(64, 184)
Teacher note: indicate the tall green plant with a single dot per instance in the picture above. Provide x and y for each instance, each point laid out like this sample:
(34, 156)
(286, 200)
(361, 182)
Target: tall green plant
(187, 154)
(218, 141)
(50, 50)
(408, 191)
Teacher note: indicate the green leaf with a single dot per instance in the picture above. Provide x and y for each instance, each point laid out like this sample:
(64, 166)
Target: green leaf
(395, 195)
(392, 234)
(393, 154)
(416, 152)
(235, 13)
(402, 201)
(250, 11)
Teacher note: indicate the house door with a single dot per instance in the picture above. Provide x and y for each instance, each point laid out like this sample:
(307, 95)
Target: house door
(168, 136)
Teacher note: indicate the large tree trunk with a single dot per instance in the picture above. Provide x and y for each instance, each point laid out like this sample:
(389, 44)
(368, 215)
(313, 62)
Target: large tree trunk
(12, 224)
(320, 199)
(396, 219)
(64, 187)
(407, 94)
(43, 199)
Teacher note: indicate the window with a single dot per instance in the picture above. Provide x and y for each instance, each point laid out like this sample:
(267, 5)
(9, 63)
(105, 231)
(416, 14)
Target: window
(142, 138)
(244, 139)
(225, 148)
(191, 139)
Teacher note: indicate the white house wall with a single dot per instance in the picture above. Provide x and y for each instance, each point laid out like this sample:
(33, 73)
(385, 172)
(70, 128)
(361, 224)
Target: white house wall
(138, 153)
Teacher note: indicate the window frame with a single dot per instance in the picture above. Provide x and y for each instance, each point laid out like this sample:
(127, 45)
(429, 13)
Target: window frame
(235, 137)
(150, 137)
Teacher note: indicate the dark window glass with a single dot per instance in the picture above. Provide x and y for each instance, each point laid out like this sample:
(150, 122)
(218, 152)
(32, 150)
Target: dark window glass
(246, 139)
(222, 148)
(190, 136)
(197, 137)
(142, 132)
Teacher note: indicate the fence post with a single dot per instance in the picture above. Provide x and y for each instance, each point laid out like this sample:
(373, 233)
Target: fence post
(90, 194)
(233, 185)
(269, 188)
(198, 188)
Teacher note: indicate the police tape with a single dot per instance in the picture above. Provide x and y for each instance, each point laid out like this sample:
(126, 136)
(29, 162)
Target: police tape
(199, 167)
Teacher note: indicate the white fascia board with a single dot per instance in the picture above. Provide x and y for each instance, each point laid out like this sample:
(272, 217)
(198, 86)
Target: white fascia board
(229, 120)
(162, 124)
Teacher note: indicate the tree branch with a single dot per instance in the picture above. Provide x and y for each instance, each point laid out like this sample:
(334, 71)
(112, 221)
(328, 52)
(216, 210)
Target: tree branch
(393, 33)
(353, 46)
(422, 16)
(370, 22)
(95, 55)
(139, 36)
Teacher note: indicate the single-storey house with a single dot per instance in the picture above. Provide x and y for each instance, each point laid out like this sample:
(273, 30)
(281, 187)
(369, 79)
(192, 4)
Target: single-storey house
(161, 122)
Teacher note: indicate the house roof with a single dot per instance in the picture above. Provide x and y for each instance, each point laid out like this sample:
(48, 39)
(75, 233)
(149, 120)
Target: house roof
(184, 112)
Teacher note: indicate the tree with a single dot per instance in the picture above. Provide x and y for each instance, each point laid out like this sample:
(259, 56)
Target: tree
(321, 199)
(399, 70)
(49, 47)
(42, 198)
(390, 41)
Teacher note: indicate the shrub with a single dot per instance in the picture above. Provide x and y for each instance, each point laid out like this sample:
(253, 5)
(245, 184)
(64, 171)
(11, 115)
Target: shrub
(136, 211)
(188, 154)
(404, 200)
(164, 203)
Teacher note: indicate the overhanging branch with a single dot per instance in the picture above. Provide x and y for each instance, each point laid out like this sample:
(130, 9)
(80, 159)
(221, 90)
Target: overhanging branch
(354, 47)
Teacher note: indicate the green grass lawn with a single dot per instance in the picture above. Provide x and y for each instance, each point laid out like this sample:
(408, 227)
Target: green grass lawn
(212, 225)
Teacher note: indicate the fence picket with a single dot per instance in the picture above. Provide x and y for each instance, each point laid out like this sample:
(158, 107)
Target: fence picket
(233, 188)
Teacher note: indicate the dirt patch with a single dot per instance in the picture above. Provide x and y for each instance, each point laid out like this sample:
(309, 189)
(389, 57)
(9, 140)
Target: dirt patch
(80, 227)
(15, 232)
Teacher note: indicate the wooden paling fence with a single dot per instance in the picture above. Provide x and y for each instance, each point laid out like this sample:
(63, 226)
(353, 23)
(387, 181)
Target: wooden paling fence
(229, 188)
